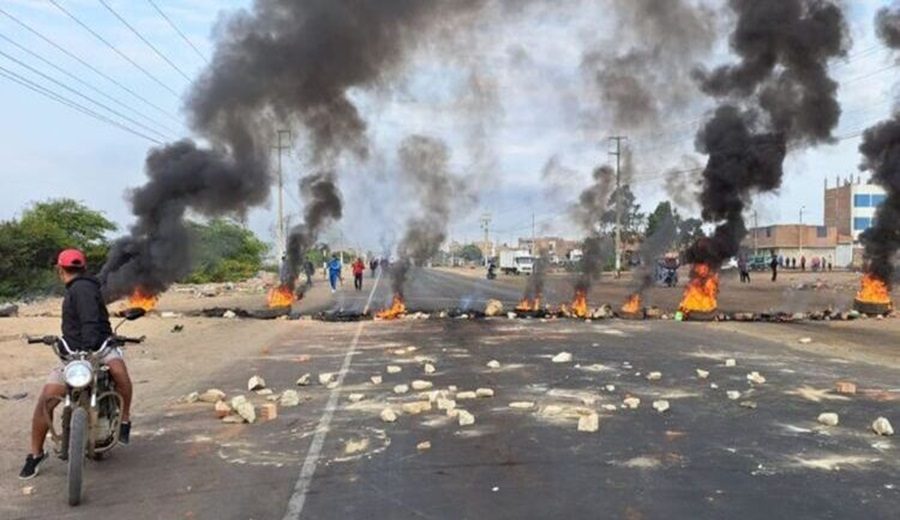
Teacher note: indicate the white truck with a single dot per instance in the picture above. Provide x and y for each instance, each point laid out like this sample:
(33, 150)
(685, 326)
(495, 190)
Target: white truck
(516, 262)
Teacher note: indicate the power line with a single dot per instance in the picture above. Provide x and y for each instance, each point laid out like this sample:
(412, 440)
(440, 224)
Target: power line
(79, 94)
(84, 83)
(145, 40)
(8, 74)
(175, 27)
(113, 48)
(88, 65)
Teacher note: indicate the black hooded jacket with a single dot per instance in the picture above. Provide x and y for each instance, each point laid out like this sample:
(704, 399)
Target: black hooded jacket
(85, 321)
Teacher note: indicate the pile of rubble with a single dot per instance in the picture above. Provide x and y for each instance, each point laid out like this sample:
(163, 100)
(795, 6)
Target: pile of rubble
(243, 409)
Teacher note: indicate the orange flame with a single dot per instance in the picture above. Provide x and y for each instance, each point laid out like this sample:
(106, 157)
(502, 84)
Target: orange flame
(142, 300)
(396, 309)
(873, 290)
(528, 305)
(633, 305)
(701, 292)
(579, 307)
(281, 296)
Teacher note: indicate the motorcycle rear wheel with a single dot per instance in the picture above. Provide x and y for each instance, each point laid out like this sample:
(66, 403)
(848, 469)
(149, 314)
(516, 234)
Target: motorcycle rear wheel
(77, 442)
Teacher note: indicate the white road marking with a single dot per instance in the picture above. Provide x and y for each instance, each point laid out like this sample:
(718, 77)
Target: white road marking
(308, 470)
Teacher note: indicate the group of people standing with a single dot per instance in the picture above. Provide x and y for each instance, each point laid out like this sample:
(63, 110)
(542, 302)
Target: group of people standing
(817, 263)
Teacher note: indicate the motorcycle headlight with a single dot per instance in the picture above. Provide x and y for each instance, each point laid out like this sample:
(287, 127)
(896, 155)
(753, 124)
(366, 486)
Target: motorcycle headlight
(78, 374)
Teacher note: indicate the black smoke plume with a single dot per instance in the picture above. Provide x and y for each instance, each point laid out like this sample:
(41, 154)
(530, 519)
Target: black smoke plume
(778, 95)
(425, 169)
(651, 248)
(322, 204)
(588, 212)
(880, 149)
(279, 63)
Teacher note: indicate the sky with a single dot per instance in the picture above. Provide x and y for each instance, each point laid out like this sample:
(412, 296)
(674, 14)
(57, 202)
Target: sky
(536, 105)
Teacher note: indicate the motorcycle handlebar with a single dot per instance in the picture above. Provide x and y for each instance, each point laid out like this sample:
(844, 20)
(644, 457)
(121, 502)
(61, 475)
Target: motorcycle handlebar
(126, 339)
(46, 340)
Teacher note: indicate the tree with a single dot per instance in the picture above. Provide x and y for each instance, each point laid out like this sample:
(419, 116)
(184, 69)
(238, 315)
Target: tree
(471, 253)
(689, 231)
(224, 252)
(662, 214)
(632, 218)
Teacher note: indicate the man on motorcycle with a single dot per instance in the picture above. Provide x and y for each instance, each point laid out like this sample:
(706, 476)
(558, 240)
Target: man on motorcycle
(85, 326)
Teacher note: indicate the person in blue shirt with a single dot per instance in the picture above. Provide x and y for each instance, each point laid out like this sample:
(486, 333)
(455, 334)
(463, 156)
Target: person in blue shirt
(334, 272)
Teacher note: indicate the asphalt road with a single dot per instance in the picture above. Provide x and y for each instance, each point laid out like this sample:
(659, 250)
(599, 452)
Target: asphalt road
(707, 457)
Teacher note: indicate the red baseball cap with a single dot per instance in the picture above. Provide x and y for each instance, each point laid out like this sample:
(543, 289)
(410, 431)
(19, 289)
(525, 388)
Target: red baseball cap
(71, 258)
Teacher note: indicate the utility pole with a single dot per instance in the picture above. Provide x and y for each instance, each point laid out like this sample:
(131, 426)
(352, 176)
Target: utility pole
(800, 230)
(618, 153)
(755, 234)
(282, 238)
(533, 238)
(486, 226)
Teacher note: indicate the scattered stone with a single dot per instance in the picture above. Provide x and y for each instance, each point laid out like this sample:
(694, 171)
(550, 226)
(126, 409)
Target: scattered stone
(452, 388)
(521, 405)
(702, 374)
(256, 383)
(401, 389)
(192, 397)
(376, 380)
(273, 398)
(589, 423)
(423, 446)
(654, 376)
(465, 418)
(388, 415)
(325, 378)
(355, 446)
(429, 368)
(233, 419)
(609, 407)
(243, 408)
(445, 404)
(730, 362)
(212, 395)
(562, 357)
(661, 405)
(511, 315)
(828, 419)
(734, 395)
(28, 490)
(268, 411)
(493, 364)
(748, 404)
(169, 315)
(714, 386)
(632, 402)
(461, 396)
(484, 392)
(221, 409)
(265, 391)
(355, 398)
(610, 388)
(418, 384)
(332, 385)
(493, 308)
(289, 398)
(304, 380)
(229, 315)
(417, 407)
(804, 341)
(845, 387)
(394, 369)
(882, 426)
(756, 378)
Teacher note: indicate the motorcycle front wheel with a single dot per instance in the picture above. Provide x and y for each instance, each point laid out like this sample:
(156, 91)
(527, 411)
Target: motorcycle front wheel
(77, 442)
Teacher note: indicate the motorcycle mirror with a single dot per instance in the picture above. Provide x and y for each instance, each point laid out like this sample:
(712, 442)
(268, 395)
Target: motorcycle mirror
(133, 313)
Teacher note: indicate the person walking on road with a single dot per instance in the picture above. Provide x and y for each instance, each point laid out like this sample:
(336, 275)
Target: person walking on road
(309, 270)
(358, 269)
(774, 265)
(373, 265)
(334, 272)
(744, 268)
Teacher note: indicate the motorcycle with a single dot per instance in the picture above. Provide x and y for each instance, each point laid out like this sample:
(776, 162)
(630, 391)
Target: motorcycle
(90, 413)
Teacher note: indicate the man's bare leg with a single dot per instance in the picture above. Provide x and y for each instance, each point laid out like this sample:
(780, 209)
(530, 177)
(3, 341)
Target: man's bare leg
(119, 374)
(50, 396)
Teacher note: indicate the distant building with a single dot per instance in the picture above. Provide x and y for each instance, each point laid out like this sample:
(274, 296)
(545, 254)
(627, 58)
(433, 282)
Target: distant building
(850, 207)
(557, 249)
(797, 241)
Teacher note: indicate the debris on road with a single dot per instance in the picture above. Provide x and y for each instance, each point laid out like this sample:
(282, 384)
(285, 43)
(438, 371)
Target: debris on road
(388, 415)
(416, 407)
(661, 405)
(465, 418)
(256, 383)
(192, 397)
(730, 362)
(804, 341)
(268, 411)
(445, 404)
(289, 398)
(755, 378)
(882, 426)
(423, 446)
(355, 398)
(845, 387)
(265, 391)
(355, 446)
(734, 395)
(394, 369)
(325, 378)
(562, 357)
(401, 389)
(304, 380)
(222, 409)
(521, 405)
(429, 368)
(702, 374)
(748, 404)
(28, 490)
(654, 376)
(610, 388)
(243, 408)
(229, 315)
(376, 380)
(828, 419)
(493, 308)
(212, 395)
(589, 423)
(419, 384)
(714, 386)
(632, 402)
(484, 392)
(493, 364)
(461, 396)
